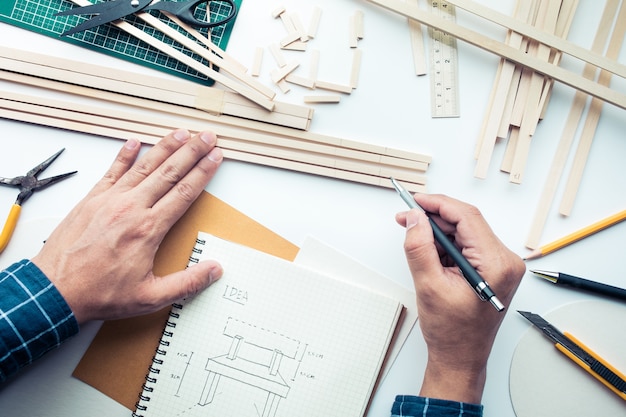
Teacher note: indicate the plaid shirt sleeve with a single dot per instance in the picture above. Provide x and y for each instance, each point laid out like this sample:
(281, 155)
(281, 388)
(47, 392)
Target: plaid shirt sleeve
(34, 317)
(412, 406)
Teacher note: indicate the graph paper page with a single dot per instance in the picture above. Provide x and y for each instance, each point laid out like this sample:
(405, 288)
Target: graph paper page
(270, 338)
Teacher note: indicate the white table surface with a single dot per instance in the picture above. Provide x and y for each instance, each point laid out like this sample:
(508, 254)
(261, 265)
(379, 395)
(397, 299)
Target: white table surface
(390, 107)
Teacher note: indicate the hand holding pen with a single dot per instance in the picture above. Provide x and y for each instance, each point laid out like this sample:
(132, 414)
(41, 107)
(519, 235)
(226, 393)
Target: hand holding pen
(473, 278)
(459, 330)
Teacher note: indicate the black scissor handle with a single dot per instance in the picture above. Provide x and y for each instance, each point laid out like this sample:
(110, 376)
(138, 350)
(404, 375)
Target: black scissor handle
(186, 11)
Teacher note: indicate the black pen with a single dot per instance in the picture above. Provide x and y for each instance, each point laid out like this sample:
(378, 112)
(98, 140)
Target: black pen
(473, 278)
(560, 278)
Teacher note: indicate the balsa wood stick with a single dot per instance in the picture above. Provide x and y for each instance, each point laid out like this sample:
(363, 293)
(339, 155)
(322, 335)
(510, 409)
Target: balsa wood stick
(569, 131)
(498, 98)
(593, 117)
(98, 124)
(184, 93)
(228, 138)
(591, 123)
(417, 47)
(566, 17)
(474, 38)
(235, 131)
(532, 109)
(225, 119)
(542, 37)
(236, 86)
(212, 57)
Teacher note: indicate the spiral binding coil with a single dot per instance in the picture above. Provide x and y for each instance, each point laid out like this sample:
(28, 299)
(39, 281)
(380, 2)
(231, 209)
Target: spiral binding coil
(153, 370)
(161, 350)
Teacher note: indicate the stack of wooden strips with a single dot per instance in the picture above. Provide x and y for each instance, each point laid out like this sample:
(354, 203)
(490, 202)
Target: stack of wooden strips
(184, 93)
(615, 20)
(520, 96)
(238, 80)
(90, 110)
(546, 46)
(516, 55)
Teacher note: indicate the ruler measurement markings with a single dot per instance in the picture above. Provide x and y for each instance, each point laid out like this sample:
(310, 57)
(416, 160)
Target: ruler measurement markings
(443, 65)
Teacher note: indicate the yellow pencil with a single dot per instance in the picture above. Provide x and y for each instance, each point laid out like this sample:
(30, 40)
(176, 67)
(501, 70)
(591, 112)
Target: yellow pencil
(576, 236)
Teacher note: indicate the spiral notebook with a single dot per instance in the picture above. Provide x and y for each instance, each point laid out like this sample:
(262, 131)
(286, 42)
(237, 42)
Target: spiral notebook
(270, 338)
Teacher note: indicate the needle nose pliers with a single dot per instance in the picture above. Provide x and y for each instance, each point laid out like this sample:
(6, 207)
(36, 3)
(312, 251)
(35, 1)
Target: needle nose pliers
(27, 184)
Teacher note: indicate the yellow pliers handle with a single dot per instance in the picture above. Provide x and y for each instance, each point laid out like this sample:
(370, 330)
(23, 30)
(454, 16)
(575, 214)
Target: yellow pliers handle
(9, 226)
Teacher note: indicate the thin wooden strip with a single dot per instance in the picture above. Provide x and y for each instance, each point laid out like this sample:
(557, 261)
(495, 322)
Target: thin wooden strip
(357, 57)
(212, 100)
(593, 117)
(99, 76)
(278, 56)
(211, 56)
(322, 98)
(532, 108)
(46, 120)
(343, 156)
(255, 70)
(315, 22)
(244, 90)
(301, 81)
(566, 17)
(206, 41)
(297, 23)
(507, 113)
(279, 74)
(417, 47)
(327, 85)
(352, 38)
(227, 120)
(474, 38)
(314, 64)
(542, 37)
(569, 131)
(509, 152)
(535, 18)
(322, 171)
(101, 128)
(500, 93)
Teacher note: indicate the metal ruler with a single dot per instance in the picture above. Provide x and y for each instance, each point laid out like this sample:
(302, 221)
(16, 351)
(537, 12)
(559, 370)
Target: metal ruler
(444, 77)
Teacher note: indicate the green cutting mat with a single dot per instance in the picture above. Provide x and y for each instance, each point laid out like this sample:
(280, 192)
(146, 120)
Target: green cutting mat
(38, 16)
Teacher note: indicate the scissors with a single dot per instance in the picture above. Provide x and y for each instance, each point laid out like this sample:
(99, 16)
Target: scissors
(109, 11)
(27, 184)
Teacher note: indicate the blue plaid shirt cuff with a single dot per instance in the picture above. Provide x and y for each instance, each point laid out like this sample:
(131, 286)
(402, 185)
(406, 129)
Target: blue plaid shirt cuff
(412, 406)
(34, 317)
